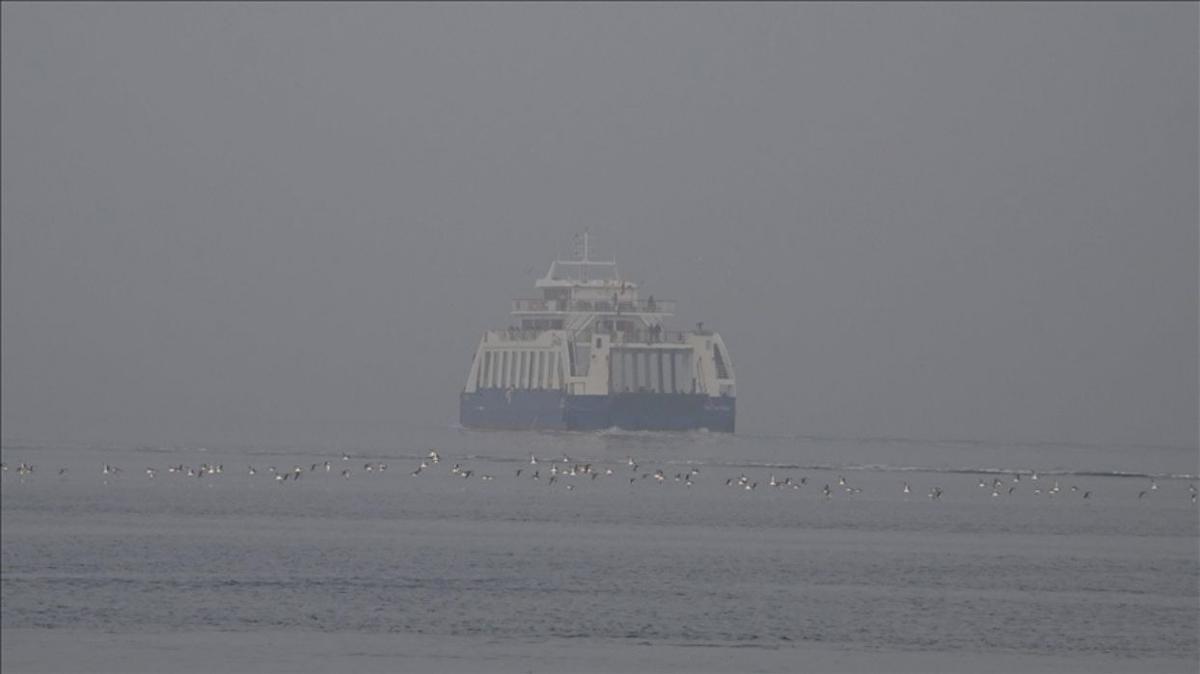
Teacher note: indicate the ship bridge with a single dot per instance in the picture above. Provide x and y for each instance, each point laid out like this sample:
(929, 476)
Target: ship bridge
(586, 295)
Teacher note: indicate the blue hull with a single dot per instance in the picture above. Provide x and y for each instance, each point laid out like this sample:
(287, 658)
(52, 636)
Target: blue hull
(532, 410)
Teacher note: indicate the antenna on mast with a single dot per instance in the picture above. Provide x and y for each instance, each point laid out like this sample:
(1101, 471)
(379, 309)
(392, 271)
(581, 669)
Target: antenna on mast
(584, 268)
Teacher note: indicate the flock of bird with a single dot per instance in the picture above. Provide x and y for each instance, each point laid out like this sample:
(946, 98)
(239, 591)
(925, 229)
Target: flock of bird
(568, 470)
(294, 473)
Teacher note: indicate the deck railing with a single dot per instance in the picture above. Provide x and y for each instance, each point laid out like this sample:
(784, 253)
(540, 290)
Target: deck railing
(648, 337)
(602, 306)
(620, 338)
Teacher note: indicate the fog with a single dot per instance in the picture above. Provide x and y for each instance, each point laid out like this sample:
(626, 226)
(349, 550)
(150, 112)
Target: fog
(291, 223)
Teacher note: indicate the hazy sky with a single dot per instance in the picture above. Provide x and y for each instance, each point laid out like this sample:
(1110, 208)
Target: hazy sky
(278, 223)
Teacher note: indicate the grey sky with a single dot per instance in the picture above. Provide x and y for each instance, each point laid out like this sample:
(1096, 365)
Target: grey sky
(274, 223)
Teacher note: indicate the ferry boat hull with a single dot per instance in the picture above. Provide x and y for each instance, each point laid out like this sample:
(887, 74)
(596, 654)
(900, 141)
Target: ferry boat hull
(554, 410)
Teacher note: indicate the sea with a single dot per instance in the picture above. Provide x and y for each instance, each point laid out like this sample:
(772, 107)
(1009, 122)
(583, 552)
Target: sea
(455, 550)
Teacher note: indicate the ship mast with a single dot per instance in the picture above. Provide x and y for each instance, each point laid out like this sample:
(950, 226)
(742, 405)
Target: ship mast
(584, 266)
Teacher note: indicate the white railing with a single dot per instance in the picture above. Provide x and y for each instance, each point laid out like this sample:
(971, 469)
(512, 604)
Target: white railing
(627, 307)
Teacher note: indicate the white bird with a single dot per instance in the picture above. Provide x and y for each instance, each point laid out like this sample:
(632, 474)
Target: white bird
(906, 489)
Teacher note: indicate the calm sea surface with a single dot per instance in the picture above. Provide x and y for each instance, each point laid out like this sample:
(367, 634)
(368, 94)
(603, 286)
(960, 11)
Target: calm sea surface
(1017, 565)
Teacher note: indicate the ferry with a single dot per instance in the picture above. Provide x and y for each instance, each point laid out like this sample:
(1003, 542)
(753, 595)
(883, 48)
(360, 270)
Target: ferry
(589, 353)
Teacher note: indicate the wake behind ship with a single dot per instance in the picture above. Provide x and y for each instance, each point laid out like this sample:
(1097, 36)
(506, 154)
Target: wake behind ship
(590, 354)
